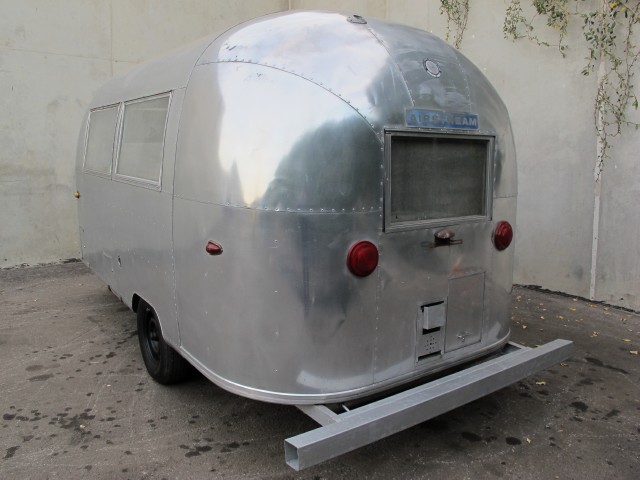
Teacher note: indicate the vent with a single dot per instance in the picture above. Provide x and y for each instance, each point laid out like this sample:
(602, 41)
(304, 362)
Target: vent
(429, 343)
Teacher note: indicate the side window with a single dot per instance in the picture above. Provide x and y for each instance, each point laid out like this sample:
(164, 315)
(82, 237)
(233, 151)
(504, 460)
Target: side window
(99, 150)
(142, 140)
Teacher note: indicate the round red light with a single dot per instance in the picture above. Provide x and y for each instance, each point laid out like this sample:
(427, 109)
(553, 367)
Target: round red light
(213, 248)
(362, 259)
(502, 235)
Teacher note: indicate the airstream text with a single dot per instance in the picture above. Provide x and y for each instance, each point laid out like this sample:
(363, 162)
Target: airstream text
(434, 119)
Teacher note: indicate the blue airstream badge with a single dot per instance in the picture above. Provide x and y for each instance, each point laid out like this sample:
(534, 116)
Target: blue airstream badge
(417, 117)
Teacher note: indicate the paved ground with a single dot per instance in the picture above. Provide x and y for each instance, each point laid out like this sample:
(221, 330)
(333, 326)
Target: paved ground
(76, 402)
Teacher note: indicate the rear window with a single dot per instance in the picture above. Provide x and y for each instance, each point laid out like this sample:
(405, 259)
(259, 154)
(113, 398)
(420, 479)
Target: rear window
(142, 141)
(102, 130)
(436, 179)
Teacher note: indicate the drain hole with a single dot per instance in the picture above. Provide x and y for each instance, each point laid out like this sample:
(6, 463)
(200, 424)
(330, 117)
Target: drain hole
(429, 331)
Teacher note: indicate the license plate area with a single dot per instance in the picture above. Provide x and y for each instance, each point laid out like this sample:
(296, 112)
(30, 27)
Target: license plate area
(465, 312)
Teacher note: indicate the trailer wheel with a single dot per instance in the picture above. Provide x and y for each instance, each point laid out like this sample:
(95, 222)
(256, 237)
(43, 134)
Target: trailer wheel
(163, 363)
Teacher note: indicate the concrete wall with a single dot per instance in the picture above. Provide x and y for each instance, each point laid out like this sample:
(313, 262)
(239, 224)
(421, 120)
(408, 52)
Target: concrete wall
(550, 104)
(618, 254)
(54, 54)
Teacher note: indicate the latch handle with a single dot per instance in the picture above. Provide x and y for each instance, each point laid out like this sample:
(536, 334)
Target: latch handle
(444, 237)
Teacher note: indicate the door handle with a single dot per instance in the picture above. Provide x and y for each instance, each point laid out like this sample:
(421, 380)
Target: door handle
(443, 238)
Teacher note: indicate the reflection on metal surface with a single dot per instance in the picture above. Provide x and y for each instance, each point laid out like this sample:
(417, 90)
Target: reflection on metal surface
(322, 157)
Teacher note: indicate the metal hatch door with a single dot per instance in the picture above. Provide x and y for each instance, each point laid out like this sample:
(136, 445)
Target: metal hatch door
(435, 250)
(465, 311)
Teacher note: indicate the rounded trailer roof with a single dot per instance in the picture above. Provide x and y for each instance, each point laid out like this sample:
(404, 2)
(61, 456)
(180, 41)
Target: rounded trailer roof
(378, 67)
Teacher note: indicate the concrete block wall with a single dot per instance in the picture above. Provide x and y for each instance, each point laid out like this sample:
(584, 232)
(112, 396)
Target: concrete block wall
(53, 55)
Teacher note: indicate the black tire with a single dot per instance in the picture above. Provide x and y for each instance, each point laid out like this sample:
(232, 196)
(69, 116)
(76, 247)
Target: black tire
(163, 363)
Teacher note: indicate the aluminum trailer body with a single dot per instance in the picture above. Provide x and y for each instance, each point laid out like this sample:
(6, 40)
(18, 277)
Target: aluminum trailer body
(310, 207)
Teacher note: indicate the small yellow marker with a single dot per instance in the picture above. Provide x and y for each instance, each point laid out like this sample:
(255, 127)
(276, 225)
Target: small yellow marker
(77, 194)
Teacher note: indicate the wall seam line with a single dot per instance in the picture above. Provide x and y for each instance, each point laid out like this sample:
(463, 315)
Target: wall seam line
(597, 190)
(111, 36)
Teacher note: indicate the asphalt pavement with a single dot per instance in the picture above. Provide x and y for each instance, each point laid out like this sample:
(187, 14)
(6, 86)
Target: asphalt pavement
(76, 401)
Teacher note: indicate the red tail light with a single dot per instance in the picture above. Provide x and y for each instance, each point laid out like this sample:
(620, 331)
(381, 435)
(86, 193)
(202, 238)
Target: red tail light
(362, 259)
(502, 235)
(213, 248)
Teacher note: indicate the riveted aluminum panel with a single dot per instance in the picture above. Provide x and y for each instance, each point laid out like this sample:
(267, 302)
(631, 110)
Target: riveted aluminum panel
(257, 137)
(460, 87)
(324, 48)
(277, 316)
(465, 311)
(412, 274)
(410, 48)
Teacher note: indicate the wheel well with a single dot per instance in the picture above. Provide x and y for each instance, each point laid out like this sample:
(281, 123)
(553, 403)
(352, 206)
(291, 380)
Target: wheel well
(135, 302)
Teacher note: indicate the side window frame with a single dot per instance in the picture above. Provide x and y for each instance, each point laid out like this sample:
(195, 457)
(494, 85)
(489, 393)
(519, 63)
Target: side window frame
(141, 182)
(116, 134)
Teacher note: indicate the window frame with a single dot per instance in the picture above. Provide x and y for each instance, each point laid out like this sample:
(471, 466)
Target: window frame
(389, 226)
(116, 127)
(141, 182)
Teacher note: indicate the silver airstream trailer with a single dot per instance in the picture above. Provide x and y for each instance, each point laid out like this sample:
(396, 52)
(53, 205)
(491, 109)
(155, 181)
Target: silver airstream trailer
(311, 209)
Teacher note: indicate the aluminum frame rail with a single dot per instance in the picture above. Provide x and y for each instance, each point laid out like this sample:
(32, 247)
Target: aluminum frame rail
(344, 432)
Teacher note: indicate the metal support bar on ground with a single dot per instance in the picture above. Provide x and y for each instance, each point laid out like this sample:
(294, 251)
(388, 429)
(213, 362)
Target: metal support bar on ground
(320, 413)
(364, 425)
